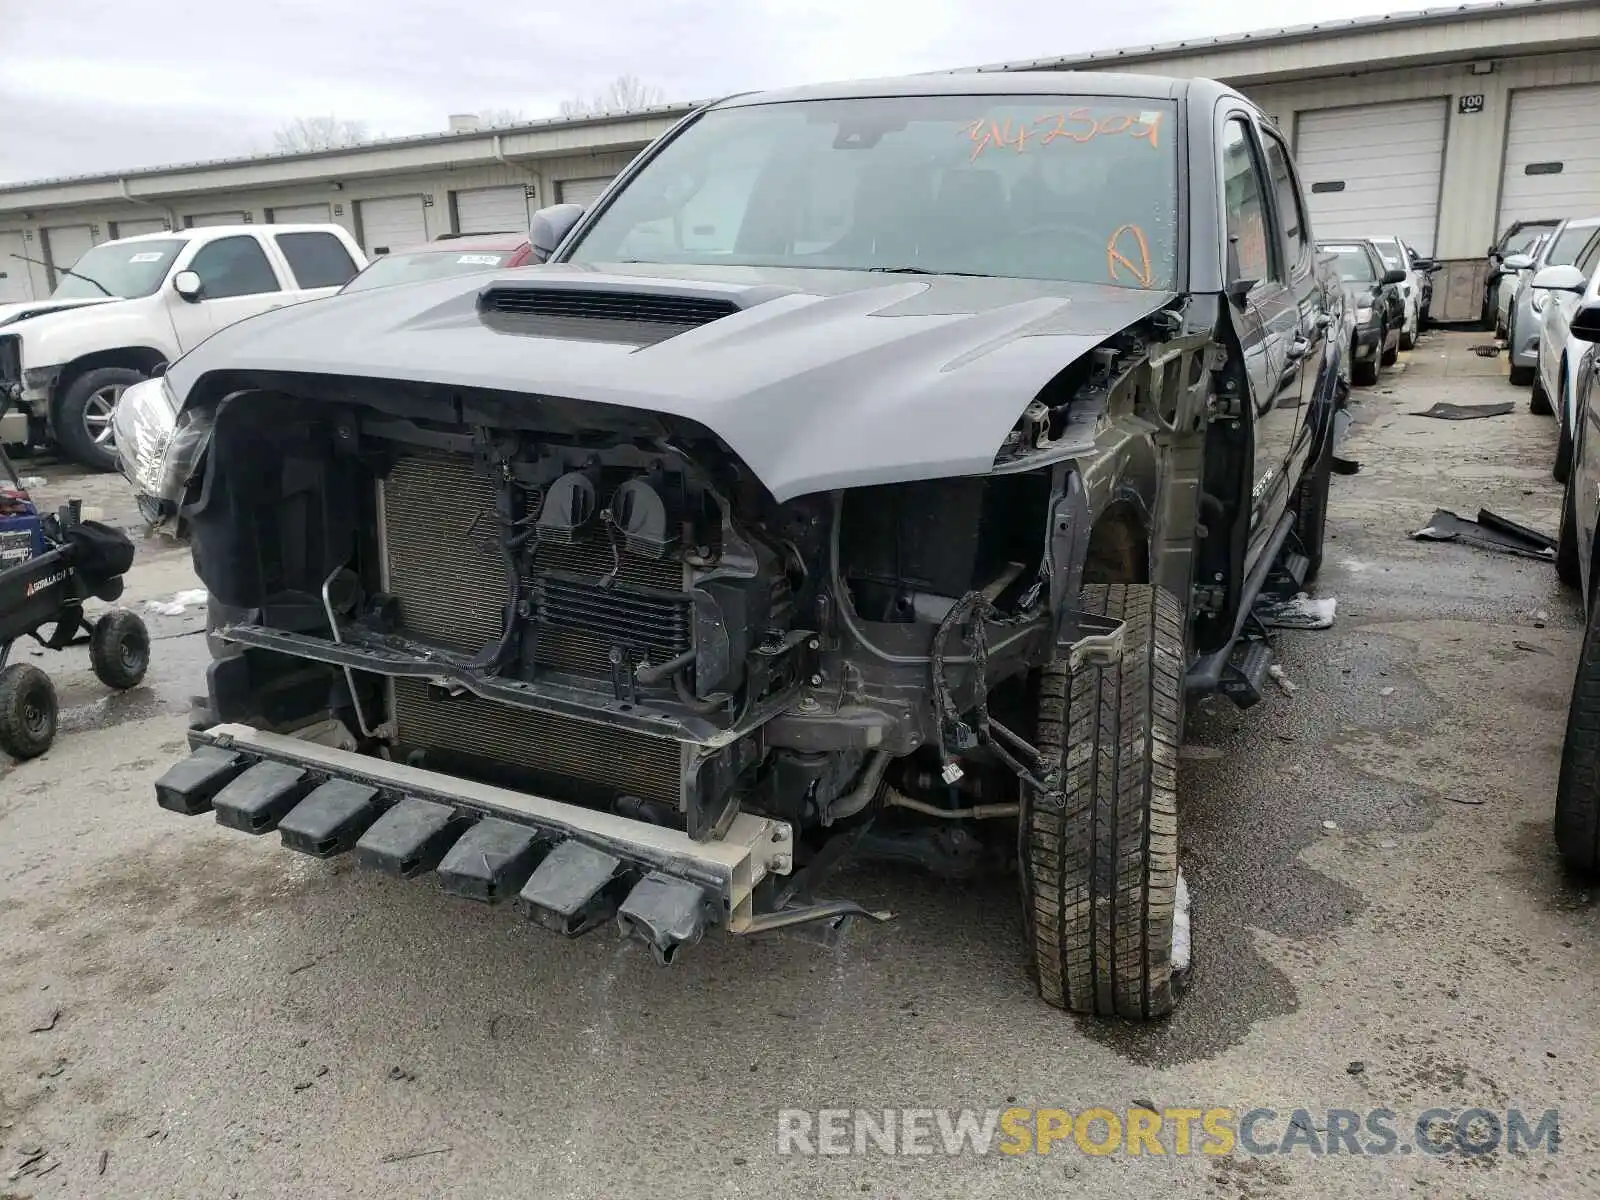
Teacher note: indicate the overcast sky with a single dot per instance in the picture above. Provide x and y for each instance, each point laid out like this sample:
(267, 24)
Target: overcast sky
(100, 85)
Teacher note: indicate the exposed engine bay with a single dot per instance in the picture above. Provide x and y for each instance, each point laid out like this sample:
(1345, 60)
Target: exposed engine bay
(620, 618)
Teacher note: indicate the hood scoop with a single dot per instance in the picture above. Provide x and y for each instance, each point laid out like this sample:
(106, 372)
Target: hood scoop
(638, 318)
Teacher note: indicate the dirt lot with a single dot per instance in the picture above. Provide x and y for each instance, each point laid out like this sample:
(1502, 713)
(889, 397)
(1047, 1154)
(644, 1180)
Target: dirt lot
(1380, 922)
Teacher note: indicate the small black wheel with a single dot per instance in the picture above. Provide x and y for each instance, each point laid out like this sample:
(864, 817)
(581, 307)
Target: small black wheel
(119, 649)
(27, 711)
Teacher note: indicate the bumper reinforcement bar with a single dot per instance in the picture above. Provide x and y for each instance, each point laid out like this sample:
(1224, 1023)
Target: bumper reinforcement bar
(569, 868)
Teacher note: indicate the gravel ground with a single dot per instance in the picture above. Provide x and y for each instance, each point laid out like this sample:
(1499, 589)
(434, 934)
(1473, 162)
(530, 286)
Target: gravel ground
(1380, 922)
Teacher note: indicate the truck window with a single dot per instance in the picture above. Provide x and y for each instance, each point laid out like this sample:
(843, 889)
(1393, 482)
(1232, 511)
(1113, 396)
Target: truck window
(1290, 209)
(318, 260)
(234, 266)
(1250, 251)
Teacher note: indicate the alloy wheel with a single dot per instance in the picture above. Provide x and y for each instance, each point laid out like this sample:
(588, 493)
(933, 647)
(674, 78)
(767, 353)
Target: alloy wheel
(97, 412)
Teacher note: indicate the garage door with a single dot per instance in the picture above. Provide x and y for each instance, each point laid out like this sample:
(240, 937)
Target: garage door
(1374, 169)
(14, 284)
(492, 210)
(122, 229)
(580, 191)
(65, 245)
(299, 214)
(198, 220)
(1552, 155)
(391, 223)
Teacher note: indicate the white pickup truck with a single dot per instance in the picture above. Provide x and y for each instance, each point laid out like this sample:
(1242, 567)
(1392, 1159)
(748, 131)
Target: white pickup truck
(130, 306)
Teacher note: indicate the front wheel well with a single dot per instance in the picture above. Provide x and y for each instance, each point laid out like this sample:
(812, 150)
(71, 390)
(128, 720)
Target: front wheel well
(144, 359)
(1119, 547)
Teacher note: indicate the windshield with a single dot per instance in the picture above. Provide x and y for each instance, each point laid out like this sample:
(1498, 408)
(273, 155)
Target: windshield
(1568, 245)
(1070, 188)
(428, 264)
(1389, 250)
(1524, 240)
(125, 269)
(1352, 264)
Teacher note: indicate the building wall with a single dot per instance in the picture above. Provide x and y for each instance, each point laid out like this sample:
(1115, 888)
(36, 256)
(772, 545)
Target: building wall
(542, 175)
(1475, 143)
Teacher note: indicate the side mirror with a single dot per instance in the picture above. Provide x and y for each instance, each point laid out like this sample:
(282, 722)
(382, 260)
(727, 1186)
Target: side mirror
(1394, 275)
(1561, 279)
(1586, 322)
(187, 285)
(549, 226)
(1424, 265)
(1517, 262)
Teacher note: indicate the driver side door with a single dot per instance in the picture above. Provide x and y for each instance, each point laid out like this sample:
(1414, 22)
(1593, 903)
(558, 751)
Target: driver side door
(1265, 312)
(237, 280)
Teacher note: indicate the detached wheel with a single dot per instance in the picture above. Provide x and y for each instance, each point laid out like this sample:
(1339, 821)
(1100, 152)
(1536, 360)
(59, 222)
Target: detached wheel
(1539, 400)
(1577, 824)
(119, 649)
(1100, 865)
(27, 711)
(83, 416)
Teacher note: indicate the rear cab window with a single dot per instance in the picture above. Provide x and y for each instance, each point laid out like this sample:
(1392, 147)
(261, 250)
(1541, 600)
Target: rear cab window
(318, 260)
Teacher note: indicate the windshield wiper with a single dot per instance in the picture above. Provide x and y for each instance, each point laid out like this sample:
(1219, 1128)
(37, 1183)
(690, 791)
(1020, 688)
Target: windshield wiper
(68, 271)
(926, 271)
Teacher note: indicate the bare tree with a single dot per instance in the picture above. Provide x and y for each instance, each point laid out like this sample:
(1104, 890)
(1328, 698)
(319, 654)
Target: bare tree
(318, 133)
(499, 118)
(625, 93)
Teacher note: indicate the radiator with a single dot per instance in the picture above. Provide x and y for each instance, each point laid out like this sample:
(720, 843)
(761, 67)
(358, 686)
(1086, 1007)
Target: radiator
(446, 572)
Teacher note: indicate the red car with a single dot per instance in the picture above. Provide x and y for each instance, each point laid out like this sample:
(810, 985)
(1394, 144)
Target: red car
(453, 254)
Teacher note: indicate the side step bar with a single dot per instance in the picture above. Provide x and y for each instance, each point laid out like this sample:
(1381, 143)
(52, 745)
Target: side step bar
(1206, 675)
(569, 868)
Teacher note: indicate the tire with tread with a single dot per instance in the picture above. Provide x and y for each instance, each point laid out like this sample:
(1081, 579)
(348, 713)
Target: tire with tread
(1363, 374)
(119, 649)
(1387, 356)
(27, 711)
(71, 433)
(1100, 875)
(1577, 821)
(1520, 376)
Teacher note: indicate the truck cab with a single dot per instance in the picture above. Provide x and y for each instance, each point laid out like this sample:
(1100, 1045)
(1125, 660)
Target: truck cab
(129, 306)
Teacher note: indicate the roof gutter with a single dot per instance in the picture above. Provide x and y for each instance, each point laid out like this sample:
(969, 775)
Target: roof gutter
(170, 216)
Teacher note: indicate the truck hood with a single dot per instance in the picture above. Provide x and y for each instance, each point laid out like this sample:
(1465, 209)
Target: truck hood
(821, 380)
(10, 314)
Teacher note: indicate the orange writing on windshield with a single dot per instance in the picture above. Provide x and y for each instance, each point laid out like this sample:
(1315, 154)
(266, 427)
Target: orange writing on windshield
(1124, 239)
(1079, 125)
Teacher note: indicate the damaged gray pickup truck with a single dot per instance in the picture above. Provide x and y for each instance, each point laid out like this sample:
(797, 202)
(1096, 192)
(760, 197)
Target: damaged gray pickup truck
(873, 473)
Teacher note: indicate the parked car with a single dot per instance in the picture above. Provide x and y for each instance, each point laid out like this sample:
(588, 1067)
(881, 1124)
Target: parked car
(1372, 292)
(1515, 269)
(1577, 816)
(878, 507)
(451, 254)
(1563, 248)
(1517, 239)
(1555, 382)
(128, 306)
(1395, 255)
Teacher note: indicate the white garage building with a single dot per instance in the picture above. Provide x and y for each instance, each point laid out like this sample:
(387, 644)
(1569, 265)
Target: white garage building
(1443, 125)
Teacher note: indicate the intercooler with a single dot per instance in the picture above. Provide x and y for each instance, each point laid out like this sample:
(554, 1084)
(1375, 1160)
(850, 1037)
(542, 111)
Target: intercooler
(443, 565)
